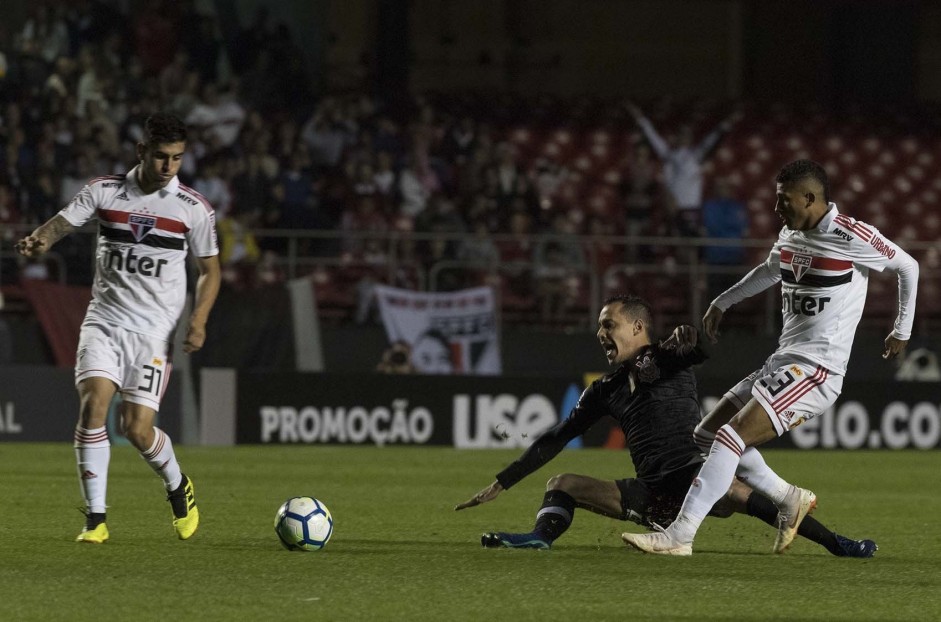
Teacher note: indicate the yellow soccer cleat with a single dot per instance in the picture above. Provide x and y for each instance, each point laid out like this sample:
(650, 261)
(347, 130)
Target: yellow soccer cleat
(185, 513)
(98, 535)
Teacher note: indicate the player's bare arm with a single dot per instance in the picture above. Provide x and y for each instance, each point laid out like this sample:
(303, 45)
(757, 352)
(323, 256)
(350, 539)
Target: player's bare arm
(44, 237)
(207, 289)
(487, 494)
(710, 323)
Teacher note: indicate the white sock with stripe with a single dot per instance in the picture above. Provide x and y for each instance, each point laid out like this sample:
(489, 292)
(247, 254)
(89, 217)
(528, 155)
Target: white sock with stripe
(162, 460)
(92, 455)
(754, 471)
(710, 485)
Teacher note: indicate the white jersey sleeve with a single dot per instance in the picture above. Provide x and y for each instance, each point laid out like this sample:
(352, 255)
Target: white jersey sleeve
(870, 248)
(760, 278)
(84, 206)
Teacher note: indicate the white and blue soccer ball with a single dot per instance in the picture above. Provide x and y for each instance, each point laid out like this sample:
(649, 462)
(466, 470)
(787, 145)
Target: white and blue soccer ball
(303, 524)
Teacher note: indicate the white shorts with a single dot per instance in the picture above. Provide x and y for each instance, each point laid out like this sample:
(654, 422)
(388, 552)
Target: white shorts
(790, 390)
(138, 364)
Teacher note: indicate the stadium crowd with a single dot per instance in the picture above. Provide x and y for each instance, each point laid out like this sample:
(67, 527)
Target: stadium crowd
(78, 79)
(271, 153)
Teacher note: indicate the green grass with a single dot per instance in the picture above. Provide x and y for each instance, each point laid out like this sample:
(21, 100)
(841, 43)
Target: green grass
(399, 551)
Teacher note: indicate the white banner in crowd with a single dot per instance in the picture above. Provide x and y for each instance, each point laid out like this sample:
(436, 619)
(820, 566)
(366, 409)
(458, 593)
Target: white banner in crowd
(452, 332)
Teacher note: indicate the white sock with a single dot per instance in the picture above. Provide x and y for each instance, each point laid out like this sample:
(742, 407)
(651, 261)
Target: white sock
(703, 439)
(162, 460)
(92, 455)
(753, 470)
(710, 485)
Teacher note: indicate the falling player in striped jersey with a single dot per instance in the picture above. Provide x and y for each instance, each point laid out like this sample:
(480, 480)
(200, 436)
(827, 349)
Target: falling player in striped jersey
(822, 259)
(147, 221)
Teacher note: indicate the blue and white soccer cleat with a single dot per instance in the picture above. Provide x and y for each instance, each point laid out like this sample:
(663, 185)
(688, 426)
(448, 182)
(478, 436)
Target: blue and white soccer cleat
(496, 540)
(856, 548)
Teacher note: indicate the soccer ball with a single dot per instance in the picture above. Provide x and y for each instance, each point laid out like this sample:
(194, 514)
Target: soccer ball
(303, 524)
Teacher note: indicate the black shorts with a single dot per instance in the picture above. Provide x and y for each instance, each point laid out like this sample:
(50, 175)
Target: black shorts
(646, 502)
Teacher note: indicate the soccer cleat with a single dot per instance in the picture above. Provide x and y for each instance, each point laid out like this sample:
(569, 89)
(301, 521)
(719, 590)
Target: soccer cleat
(185, 513)
(658, 543)
(800, 503)
(496, 540)
(97, 535)
(856, 548)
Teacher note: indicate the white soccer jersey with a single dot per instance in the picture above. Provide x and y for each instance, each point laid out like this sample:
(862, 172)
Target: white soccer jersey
(825, 274)
(140, 280)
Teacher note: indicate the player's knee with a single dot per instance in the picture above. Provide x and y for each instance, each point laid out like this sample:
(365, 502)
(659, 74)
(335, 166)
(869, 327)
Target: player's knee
(563, 481)
(94, 410)
(137, 434)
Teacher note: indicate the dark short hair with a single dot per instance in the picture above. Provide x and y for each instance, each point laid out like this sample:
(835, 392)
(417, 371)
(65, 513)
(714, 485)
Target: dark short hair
(634, 307)
(162, 128)
(799, 170)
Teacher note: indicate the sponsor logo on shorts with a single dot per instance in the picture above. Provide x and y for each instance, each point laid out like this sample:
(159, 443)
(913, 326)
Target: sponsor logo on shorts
(797, 371)
(156, 362)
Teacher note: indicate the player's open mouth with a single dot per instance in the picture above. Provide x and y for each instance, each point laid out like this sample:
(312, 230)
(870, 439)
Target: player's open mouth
(610, 349)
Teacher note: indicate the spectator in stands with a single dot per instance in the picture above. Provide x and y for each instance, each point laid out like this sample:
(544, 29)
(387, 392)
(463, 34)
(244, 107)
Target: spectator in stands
(725, 217)
(640, 191)
(555, 283)
(384, 176)
(441, 218)
(416, 185)
(239, 252)
(682, 166)
(218, 116)
(327, 133)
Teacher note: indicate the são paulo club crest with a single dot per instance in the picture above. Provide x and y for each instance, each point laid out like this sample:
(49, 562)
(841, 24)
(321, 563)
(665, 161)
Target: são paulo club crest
(141, 225)
(800, 264)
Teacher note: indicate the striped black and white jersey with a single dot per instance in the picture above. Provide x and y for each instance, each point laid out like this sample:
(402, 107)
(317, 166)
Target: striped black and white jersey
(824, 275)
(143, 240)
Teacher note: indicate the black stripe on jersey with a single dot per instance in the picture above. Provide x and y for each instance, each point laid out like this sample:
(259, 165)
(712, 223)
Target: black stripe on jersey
(151, 239)
(817, 280)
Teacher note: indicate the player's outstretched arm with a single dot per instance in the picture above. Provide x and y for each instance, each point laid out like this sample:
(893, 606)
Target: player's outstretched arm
(41, 240)
(710, 323)
(487, 494)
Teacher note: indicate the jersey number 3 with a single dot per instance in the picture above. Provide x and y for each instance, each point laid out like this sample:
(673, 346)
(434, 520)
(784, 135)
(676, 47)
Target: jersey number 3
(779, 382)
(152, 380)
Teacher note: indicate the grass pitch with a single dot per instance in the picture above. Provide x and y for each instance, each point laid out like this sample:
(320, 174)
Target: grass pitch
(399, 551)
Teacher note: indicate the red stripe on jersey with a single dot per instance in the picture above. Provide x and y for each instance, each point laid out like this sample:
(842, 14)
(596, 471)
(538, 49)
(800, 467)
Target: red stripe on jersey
(164, 224)
(106, 177)
(821, 263)
(201, 198)
(856, 228)
(856, 225)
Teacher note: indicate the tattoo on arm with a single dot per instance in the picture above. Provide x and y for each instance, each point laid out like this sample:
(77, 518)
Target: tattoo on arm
(54, 229)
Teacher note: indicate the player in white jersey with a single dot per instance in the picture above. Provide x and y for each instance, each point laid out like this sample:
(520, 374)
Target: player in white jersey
(147, 223)
(823, 259)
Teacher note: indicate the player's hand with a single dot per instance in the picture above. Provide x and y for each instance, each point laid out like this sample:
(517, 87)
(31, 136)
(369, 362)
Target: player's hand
(683, 339)
(487, 494)
(710, 323)
(894, 347)
(195, 337)
(32, 246)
